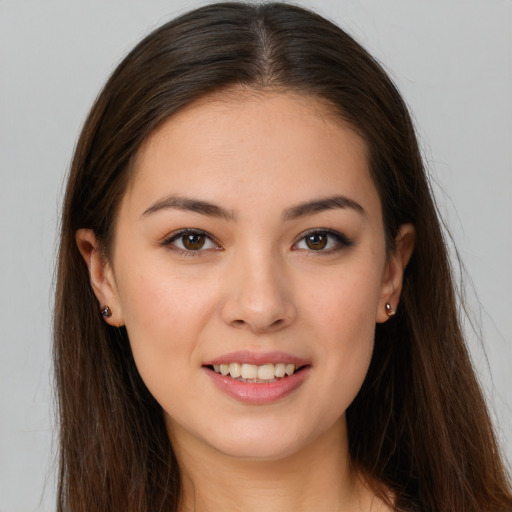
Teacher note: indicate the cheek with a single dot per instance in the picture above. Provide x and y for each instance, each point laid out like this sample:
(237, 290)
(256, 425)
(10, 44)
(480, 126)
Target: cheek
(345, 301)
(164, 318)
(343, 316)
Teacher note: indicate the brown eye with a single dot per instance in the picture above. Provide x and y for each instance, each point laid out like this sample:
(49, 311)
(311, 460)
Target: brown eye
(190, 240)
(316, 241)
(193, 241)
(323, 241)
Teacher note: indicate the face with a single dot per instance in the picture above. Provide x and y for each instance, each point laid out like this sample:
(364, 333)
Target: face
(249, 267)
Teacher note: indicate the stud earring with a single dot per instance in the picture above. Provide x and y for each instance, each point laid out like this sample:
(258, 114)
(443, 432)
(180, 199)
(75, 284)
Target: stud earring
(390, 312)
(106, 312)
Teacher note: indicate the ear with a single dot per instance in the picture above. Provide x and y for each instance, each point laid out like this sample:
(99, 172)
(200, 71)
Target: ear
(101, 275)
(394, 271)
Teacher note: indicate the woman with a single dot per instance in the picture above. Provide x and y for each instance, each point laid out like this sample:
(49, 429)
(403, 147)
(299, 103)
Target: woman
(254, 304)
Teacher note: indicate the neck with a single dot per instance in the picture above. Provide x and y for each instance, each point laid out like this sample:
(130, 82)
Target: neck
(319, 477)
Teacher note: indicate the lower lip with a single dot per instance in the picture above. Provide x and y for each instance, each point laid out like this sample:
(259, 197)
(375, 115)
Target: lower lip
(261, 393)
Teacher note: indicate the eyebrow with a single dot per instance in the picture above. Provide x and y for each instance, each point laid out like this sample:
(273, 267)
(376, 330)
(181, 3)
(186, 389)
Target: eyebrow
(320, 205)
(190, 205)
(212, 210)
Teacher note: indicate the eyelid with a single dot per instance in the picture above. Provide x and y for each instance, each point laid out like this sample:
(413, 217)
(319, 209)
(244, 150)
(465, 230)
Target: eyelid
(343, 241)
(169, 239)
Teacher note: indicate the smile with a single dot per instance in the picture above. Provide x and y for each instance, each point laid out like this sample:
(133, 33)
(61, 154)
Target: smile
(253, 373)
(258, 379)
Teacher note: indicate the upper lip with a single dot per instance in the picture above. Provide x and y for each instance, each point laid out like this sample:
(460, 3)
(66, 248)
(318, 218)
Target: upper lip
(257, 358)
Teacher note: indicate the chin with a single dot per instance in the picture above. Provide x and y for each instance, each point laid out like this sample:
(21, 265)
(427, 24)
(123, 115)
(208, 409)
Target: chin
(272, 440)
(261, 449)
(258, 435)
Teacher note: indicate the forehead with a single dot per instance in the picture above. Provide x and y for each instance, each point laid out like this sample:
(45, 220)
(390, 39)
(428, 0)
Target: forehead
(257, 144)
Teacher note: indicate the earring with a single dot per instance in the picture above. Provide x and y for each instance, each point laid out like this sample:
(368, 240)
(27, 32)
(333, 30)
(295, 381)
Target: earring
(106, 312)
(389, 310)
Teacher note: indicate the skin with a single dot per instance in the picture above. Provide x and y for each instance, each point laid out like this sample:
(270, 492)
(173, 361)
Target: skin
(254, 285)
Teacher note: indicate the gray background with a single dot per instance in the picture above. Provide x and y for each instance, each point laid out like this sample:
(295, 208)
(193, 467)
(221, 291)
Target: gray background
(452, 59)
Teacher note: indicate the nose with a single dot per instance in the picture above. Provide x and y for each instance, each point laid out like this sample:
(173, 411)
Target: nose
(259, 295)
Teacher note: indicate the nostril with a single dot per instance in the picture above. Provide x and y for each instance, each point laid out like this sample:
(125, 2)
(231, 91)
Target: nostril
(276, 324)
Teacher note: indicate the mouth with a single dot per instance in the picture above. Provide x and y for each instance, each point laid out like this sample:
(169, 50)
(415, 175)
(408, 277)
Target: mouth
(258, 378)
(257, 374)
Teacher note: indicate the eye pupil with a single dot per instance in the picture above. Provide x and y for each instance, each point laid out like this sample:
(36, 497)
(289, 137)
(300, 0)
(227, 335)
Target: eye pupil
(193, 241)
(316, 241)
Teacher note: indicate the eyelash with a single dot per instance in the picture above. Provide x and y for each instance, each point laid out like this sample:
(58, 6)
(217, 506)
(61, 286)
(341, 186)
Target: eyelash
(170, 241)
(341, 241)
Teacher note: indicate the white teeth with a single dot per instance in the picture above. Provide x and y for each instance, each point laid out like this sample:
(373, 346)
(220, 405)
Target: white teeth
(249, 371)
(290, 368)
(280, 370)
(235, 370)
(264, 372)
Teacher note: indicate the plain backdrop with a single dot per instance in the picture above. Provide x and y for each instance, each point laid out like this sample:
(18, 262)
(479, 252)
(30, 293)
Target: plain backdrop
(452, 60)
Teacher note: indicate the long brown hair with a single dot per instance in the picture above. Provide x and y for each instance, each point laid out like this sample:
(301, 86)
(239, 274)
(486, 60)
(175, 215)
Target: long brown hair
(419, 426)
